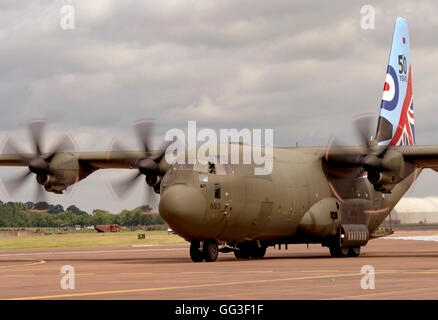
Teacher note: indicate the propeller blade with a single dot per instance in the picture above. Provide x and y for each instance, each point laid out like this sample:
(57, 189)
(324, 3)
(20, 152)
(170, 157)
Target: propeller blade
(12, 185)
(122, 156)
(120, 189)
(157, 158)
(39, 166)
(143, 128)
(148, 165)
(36, 128)
(62, 145)
(11, 148)
(150, 198)
(341, 157)
(363, 128)
(40, 193)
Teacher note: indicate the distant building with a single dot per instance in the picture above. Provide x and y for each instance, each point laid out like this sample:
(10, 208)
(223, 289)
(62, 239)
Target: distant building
(108, 228)
(416, 211)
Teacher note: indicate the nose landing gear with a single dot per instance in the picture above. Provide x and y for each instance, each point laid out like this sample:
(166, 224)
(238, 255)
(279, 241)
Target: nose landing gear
(205, 250)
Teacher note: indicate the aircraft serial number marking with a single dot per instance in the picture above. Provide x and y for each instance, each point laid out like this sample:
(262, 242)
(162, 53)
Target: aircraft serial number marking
(215, 205)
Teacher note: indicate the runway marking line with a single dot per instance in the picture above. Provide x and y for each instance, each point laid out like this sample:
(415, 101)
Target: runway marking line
(135, 273)
(199, 272)
(85, 294)
(317, 271)
(421, 272)
(88, 252)
(39, 261)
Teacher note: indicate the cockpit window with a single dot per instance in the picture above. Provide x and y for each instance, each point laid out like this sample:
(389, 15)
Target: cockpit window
(224, 169)
(200, 167)
(211, 168)
(214, 168)
(176, 167)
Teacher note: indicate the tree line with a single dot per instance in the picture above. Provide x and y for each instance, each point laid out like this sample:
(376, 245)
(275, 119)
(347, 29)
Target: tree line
(44, 215)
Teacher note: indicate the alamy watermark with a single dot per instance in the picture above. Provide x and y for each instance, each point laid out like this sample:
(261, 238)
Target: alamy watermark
(368, 280)
(231, 147)
(68, 17)
(68, 281)
(368, 17)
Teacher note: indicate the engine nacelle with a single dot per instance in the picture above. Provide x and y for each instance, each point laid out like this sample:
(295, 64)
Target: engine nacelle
(393, 161)
(51, 183)
(45, 179)
(390, 173)
(385, 177)
(154, 181)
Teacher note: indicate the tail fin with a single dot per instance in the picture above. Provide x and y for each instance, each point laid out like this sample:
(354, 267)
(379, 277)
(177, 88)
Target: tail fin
(396, 120)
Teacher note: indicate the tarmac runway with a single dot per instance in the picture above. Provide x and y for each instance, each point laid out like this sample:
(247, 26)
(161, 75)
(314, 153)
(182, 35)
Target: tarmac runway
(404, 269)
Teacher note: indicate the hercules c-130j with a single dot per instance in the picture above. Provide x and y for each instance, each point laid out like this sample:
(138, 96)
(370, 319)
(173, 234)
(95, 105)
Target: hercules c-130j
(336, 196)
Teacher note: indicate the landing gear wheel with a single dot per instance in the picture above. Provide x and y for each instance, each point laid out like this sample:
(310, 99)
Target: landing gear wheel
(241, 254)
(250, 250)
(337, 251)
(258, 252)
(210, 250)
(196, 254)
(353, 251)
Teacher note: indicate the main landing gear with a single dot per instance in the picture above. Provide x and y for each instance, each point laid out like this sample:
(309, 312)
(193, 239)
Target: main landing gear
(337, 251)
(208, 251)
(248, 250)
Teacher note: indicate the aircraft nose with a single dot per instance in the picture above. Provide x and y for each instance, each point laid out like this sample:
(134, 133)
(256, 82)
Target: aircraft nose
(182, 207)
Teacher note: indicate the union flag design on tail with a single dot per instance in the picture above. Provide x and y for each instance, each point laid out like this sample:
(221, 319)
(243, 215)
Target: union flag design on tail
(404, 135)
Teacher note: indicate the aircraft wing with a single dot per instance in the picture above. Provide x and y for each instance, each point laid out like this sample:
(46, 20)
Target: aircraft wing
(111, 160)
(12, 160)
(422, 156)
(95, 160)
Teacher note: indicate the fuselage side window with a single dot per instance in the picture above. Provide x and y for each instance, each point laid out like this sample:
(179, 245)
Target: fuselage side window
(217, 190)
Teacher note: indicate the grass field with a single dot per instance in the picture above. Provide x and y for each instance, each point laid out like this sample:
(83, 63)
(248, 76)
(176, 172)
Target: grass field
(88, 239)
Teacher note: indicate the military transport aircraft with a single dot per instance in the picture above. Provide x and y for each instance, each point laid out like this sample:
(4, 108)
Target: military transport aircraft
(336, 196)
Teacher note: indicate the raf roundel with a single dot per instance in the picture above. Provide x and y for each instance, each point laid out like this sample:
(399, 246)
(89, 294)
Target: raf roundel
(390, 90)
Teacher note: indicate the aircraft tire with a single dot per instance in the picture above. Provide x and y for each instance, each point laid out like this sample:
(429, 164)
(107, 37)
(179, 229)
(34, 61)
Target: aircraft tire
(241, 254)
(338, 252)
(353, 251)
(210, 250)
(195, 254)
(258, 252)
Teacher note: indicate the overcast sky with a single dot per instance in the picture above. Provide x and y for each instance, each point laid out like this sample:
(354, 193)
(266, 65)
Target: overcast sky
(302, 68)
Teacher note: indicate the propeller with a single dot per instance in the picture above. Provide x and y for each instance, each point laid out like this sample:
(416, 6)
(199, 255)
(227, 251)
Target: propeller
(370, 157)
(373, 160)
(38, 163)
(149, 166)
